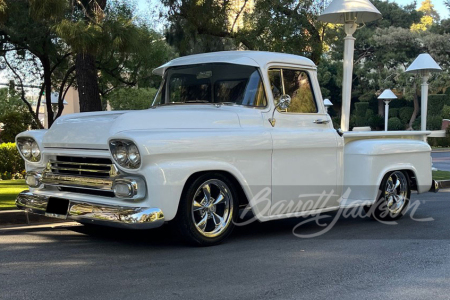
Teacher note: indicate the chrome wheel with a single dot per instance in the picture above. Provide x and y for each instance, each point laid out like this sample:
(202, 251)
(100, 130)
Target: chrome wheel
(212, 208)
(396, 192)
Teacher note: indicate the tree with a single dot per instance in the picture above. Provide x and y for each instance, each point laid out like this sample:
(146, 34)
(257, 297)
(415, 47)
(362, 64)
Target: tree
(60, 42)
(430, 16)
(13, 115)
(27, 40)
(274, 25)
(112, 48)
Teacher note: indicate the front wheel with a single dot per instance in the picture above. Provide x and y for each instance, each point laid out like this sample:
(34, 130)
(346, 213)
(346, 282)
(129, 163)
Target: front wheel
(393, 198)
(207, 209)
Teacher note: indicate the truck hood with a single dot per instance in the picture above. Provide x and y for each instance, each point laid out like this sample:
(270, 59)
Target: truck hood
(93, 129)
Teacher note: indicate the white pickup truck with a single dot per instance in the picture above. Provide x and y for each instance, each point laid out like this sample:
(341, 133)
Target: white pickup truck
(226, 130)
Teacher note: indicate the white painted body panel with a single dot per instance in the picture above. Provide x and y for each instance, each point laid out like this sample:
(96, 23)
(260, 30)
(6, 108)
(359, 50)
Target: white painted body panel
(177, 141)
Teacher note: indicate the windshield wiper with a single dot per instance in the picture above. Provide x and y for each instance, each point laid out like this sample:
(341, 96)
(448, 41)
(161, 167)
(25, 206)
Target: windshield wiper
(197, 101)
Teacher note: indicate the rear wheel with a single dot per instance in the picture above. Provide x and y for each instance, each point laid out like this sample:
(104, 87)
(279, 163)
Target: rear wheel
(207, 209)
(393, 198)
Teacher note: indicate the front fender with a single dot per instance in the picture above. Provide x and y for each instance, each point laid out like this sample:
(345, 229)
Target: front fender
(170, 157)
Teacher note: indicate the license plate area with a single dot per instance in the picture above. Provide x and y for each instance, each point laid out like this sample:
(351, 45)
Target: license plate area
(57, 208)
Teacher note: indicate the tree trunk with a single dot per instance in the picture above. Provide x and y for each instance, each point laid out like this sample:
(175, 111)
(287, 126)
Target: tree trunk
(416, 110)
(87, 79)
(48, 90)
(381, 108)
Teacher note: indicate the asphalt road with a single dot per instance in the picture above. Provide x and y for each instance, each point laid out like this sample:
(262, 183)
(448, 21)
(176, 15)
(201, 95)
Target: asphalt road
(357, 259)
(441, 160)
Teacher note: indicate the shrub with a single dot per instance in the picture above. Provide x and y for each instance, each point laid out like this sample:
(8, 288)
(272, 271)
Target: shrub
(395, 124)
(131, 98)
(446, 112)
(436, 104)
(10, 160)
(393, 112)
(434, 123)
(405, 114)
(399, 103)
(361, 109)
(336, 122)
(376, 122)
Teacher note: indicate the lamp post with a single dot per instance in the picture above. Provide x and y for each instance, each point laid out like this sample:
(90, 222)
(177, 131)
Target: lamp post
(327, 104)
(350, 13)
(387, 96)
(423, 65)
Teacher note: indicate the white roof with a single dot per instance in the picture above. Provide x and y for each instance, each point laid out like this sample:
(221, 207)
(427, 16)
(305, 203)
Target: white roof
(248, 58)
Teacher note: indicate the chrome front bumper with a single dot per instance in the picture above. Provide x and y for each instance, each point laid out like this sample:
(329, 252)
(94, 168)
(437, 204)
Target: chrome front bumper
(115, 216)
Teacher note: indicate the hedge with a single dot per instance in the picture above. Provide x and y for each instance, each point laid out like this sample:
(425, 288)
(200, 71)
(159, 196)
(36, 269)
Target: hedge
(395, 124)
(393, 112)
(436, 104)
(405, 114)
(10, 161)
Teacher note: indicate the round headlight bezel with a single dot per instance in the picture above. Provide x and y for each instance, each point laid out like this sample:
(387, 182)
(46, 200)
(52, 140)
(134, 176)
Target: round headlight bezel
(29, 149)
(132, 159)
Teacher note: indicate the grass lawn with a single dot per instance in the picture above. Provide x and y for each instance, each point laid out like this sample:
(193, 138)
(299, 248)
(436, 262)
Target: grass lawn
(9, 189)
(441, 175)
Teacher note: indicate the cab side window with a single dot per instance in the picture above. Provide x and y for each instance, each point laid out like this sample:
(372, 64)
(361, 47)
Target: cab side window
(297, 85)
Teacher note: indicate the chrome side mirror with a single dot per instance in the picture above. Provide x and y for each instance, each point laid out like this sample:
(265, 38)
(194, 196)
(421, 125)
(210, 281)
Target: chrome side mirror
(283, 103)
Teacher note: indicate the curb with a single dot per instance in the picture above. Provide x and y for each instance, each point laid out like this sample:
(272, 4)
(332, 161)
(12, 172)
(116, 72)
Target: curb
(20, 217)
(439, 151)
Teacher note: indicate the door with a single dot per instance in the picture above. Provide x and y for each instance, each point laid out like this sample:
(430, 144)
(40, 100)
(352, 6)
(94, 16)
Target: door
(305, 160)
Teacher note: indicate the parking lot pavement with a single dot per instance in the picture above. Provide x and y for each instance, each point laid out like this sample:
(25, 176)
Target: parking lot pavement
(357, 259)
(441, 160)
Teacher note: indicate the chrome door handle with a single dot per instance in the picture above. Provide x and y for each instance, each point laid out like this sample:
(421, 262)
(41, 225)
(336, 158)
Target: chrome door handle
(321, 121)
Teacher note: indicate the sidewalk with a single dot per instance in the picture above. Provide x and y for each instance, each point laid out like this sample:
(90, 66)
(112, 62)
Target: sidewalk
(20, 217)
(437, 150)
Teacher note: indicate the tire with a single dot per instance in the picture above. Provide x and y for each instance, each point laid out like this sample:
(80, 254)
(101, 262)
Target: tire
(208, 210)
(393, 200)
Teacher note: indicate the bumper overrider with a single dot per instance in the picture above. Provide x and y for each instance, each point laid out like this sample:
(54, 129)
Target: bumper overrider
(114, 216)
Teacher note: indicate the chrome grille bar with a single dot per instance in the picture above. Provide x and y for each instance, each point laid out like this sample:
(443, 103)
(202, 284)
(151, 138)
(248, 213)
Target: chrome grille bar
(80, 166)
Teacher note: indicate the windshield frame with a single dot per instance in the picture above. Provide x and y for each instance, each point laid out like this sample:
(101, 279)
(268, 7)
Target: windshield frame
(164, 79)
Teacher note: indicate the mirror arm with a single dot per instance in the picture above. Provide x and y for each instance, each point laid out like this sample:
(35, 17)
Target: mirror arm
(272, 121)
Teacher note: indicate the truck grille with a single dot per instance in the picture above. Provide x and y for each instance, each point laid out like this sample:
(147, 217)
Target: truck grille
(85, 175)
(83, 166)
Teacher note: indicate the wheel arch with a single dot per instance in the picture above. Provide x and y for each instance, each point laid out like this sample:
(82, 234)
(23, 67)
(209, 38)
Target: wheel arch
(410, 171)
(242, 197)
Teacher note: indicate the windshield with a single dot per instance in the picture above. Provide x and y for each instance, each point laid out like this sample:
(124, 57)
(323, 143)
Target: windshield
(212, 83)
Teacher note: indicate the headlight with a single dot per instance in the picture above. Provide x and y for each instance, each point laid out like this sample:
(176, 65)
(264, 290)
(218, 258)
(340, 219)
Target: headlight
(29, 149)
(125, 153)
